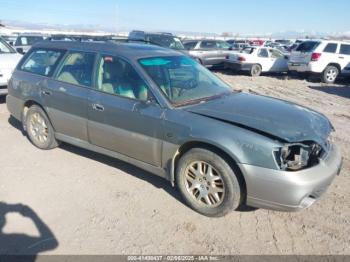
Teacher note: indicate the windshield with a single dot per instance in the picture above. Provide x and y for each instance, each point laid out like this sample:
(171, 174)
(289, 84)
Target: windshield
(183, 80)
(167, 41)
(248, 50)
(5, 48)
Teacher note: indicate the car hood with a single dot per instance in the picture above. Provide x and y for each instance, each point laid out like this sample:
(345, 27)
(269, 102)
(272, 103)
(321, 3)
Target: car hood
(271, 117)
(9, 61)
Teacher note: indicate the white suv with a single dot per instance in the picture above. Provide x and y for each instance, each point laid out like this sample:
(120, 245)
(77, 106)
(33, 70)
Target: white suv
(326, 58)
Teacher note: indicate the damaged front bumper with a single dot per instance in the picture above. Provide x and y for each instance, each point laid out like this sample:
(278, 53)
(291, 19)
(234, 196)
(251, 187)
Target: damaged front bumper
(290, 191)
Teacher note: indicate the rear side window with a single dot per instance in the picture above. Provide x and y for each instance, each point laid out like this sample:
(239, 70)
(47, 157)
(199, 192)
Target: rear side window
(331, 48)
(77, 69)
(307, 46)
(345, 49)
(42, 62)
(208, 45)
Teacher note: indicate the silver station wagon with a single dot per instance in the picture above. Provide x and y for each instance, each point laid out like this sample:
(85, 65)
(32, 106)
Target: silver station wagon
(163, 112)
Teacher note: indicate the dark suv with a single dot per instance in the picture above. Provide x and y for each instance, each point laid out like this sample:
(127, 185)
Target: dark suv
(162, 111)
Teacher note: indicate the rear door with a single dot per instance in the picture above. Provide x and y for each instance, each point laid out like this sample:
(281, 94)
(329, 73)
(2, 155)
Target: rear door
(66, 94)
(123, 116)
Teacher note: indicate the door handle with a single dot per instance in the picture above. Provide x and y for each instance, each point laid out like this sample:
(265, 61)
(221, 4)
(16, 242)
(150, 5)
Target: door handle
(46, 93)
(62, 89)
(98, 107)
(341, 57)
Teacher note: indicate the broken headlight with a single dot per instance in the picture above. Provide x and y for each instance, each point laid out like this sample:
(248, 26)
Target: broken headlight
(294, 157)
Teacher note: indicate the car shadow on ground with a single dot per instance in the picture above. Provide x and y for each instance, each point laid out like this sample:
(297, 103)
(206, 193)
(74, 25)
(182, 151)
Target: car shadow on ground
(342, 91)
(156, 181)
(21, 244)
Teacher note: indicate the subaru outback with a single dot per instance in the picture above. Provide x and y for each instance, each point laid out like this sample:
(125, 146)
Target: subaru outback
(164, 112)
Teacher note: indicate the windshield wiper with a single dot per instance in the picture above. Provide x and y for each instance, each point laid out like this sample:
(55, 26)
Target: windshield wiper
(201, 100)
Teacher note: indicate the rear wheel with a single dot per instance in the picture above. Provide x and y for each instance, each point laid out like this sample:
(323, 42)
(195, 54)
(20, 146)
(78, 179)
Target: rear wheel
(39, 129)
(330, 74)
(255, 70)
(207, 183)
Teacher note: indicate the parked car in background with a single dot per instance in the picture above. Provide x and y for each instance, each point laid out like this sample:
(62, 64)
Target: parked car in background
(209, 52)
(166, 40)
(257, 42)
(284, 42)
(8, 61)
(325, 58)
(162, 111)
(25, 41)
(237, 41)
(10, 39)
(257, 60)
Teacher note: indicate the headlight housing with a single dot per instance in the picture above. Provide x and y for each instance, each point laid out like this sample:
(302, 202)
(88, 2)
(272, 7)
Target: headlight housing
(294, 157)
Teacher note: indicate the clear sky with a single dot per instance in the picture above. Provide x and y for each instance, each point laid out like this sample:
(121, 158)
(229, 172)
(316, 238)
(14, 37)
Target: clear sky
(239, 16)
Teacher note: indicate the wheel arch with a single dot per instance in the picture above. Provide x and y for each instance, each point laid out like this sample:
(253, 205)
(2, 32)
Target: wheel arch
(335, 65)
(27, 104)
(229, 158)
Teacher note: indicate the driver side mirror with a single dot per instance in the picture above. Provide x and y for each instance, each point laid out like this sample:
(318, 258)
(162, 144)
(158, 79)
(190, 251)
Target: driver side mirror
(20, 50)
(286, 57)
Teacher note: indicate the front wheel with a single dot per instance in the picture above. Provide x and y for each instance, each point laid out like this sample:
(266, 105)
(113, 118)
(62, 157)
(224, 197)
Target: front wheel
(208, 183)
(330, 74)
(255, 70)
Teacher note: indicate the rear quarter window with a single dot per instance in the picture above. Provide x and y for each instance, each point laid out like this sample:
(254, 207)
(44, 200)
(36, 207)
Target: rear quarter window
(307, 46)
(345, 49)
(42, 62)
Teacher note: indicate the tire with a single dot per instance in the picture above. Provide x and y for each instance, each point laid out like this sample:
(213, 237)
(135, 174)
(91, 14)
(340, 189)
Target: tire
(39, 129)
(330, 74)
(255, 70)
(225, 180)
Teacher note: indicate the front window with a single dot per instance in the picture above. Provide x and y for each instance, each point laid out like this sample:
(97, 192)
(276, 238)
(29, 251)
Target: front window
(223, 45)
(118, 77)
(183, 81)
(5, 48)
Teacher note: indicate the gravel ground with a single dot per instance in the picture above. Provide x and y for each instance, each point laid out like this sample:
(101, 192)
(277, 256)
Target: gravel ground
(92, 204)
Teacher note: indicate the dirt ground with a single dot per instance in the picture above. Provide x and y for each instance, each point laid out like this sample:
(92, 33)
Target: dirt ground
(79, 202)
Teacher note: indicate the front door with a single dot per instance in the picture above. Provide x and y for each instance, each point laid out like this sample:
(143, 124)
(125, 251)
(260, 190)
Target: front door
(122, 116)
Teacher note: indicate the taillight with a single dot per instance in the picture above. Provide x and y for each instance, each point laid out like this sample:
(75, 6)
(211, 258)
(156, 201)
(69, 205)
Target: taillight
(241, 59)
(315, 56)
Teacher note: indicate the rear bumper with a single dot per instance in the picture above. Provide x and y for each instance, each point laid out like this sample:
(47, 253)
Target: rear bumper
(15, 106)
(3, 90)
(305, 67)
(238, 66)
(290, 191)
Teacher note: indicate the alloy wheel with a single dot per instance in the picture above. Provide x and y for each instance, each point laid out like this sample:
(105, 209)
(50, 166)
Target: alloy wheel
(38, 128)
(205, 184)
